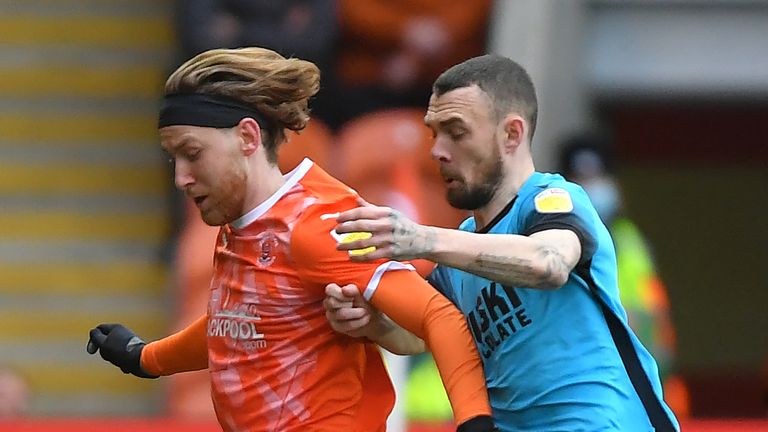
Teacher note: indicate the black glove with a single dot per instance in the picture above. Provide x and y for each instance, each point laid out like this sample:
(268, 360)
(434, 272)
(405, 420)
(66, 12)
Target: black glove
(119, 346)
(478, 424)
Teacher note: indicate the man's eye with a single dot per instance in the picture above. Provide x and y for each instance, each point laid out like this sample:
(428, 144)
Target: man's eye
(193, 156)
(456, 135)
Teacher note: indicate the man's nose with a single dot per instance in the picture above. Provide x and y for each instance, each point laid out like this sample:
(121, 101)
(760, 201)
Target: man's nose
(183, 175)
(438, 151)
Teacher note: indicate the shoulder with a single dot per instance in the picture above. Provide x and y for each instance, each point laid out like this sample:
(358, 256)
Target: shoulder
(319, 182)
(552, 194)
(555, 203)
(322, 198)
(319, 217)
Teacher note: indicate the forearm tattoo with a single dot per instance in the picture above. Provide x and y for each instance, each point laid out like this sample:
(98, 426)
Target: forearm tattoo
(502, 268)
(520, 271)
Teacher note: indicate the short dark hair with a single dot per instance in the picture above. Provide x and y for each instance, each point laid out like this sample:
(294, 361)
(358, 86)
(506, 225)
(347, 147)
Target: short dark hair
(506, 82)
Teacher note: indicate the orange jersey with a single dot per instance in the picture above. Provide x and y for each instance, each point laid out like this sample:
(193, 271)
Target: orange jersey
(275, 362)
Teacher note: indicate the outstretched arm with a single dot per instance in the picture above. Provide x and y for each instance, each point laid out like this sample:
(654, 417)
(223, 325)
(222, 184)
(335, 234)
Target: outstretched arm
(184, 351)
(542, 260)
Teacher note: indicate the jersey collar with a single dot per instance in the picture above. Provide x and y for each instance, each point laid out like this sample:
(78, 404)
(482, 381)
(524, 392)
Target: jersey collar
(535, 180)
(498, 217)
(291, 179)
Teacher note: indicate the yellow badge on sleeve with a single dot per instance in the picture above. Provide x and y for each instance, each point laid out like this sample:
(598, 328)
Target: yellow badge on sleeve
(554, 200)
(347, 238)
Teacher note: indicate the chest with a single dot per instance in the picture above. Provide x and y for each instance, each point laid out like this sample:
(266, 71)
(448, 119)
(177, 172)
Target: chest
(256, 268)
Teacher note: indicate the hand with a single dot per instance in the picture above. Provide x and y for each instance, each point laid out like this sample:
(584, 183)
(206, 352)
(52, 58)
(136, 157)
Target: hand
(392, 234)
(349, 313)
(119, 346)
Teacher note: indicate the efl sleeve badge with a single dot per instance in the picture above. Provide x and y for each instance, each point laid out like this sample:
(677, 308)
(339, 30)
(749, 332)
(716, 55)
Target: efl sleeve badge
(554, 200)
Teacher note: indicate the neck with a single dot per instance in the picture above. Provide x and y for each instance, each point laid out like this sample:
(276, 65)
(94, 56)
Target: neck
(510, 185)
(269, 181)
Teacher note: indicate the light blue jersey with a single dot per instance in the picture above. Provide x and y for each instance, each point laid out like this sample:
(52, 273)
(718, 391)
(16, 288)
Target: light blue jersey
(564, 359)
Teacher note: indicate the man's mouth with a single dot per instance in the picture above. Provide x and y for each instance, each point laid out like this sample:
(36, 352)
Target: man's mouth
(450, 181)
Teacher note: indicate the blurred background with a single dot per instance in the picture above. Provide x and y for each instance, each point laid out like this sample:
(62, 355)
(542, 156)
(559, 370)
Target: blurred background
(659, 108)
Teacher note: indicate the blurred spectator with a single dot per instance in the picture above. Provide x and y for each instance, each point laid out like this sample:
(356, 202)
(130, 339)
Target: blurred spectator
(392, 50)
(587, 160)
(14, 394)
(294, 28)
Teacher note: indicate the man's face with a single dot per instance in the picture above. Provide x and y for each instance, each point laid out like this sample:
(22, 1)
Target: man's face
(210, 168)
(466, 146)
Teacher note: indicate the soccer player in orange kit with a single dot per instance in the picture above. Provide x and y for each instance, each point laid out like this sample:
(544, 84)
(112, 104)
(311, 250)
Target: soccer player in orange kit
(275, 362)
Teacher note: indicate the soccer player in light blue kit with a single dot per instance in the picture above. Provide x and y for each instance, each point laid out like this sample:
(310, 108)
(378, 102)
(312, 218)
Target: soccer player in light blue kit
(533, 270)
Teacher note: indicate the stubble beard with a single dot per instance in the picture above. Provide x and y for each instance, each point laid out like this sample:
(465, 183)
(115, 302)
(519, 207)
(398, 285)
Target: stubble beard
(226, 201)
(475, 196)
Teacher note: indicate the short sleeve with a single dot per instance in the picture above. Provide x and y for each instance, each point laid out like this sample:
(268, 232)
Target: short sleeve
(563, 208)
(318, 263)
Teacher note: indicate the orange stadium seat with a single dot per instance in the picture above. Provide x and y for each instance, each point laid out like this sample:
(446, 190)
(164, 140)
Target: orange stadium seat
(313, 142)
(386, 158)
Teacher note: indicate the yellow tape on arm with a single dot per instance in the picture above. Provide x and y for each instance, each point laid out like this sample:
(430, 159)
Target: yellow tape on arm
(358, 236)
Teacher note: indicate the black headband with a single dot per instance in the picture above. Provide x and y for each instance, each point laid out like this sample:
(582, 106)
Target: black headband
(197, 109)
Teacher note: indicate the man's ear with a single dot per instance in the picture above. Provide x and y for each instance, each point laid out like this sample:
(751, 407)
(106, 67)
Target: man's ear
(515, 130)
(250, 134)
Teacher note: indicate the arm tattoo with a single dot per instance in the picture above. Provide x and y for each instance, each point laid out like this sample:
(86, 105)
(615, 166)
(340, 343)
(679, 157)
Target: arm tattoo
(520, 271)
(509, 270)
(555, 265)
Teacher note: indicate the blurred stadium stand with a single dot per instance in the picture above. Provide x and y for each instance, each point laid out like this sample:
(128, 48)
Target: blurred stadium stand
(84, 192)
(83, 207)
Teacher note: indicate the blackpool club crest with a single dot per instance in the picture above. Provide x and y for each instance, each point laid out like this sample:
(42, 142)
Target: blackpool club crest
(266, 248)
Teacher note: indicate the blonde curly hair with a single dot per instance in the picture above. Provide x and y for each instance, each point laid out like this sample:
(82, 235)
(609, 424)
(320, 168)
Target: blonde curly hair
(275, 86)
